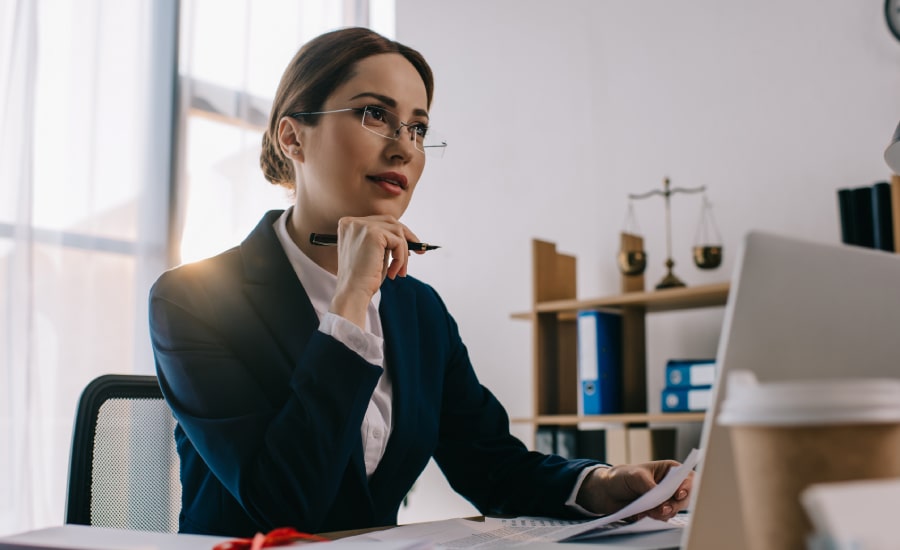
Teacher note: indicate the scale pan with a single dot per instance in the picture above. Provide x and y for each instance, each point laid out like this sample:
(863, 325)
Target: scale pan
(708, 256)
(632, 262)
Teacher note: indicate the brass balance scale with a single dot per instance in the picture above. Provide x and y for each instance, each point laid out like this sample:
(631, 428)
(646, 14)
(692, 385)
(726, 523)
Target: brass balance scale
(707, 250)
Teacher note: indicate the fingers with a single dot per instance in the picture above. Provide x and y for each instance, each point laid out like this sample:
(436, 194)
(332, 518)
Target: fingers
(668, 509)
(398, 249)
(679, 501)
(374, 244)
(643, 477)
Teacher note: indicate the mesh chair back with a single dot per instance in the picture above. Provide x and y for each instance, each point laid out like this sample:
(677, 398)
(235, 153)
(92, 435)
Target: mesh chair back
(124, 469)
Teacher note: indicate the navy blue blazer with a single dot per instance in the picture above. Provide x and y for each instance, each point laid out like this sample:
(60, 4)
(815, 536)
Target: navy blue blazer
(269, 409)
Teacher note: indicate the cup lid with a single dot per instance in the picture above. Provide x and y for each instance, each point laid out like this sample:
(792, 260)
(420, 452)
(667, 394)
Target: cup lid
(809, 402)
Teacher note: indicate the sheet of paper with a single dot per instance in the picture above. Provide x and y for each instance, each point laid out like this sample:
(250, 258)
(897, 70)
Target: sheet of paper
(345, 544)
(649, 500)
(460, 533)
(457, 533)
(644, 525)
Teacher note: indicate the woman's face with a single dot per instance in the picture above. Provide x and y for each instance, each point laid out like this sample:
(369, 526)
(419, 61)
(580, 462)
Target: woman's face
(347, 170)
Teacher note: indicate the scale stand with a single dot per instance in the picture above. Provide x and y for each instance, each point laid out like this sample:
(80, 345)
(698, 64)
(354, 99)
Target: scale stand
(670, 280)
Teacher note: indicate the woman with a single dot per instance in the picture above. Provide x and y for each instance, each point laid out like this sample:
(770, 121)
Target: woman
(312, 384)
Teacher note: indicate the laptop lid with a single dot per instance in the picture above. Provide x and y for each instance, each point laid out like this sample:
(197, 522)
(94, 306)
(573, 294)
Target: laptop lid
(796, 309)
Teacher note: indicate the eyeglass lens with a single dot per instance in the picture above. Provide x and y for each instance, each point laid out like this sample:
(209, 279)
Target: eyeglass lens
(387, 124)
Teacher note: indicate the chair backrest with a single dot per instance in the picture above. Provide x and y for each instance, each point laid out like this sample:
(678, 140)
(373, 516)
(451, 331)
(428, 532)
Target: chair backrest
(124, 469)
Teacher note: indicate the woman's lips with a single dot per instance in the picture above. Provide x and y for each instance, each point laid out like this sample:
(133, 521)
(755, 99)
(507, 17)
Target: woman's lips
(390, 179)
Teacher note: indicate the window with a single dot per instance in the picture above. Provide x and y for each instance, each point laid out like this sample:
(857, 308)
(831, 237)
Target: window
(232, 57)
(85, 111)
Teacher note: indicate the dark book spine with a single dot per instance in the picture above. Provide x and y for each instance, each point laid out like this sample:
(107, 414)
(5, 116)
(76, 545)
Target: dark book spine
(895, 209)
(882, 220)
(845, 211)
(862, 216)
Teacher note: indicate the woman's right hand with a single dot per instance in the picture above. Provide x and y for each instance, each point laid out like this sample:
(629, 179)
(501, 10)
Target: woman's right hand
(607, 490)
(369, 249)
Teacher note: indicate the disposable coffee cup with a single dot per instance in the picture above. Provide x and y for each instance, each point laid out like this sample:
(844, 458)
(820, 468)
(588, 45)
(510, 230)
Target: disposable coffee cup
(789, 435)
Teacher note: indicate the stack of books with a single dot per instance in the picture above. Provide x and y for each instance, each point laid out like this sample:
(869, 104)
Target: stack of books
(688, 385)
(870, 215)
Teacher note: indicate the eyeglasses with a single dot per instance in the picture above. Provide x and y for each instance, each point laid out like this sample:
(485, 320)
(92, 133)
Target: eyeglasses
(379, 120)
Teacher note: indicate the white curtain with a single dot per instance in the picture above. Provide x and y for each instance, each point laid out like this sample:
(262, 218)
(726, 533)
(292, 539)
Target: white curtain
(86, 96)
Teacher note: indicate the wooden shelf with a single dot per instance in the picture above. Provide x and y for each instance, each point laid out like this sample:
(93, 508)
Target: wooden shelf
(553, 316)
(634, 418)
(669, 299)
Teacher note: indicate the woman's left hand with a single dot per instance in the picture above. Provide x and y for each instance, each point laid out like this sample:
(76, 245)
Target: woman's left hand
(608, 490)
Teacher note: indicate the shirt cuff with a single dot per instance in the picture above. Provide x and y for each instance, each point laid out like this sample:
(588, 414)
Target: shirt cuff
(369, 346)
(574, 495)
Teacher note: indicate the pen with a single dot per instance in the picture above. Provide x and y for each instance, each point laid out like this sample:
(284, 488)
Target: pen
(323, 239)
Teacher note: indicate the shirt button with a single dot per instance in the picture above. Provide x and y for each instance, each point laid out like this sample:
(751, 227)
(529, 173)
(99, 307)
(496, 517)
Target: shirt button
(376, 434)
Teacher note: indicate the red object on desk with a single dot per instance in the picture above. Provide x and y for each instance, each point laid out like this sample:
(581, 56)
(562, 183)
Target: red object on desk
(276, 537)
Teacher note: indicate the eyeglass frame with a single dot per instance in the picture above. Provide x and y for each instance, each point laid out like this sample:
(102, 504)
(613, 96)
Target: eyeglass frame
(363, 110)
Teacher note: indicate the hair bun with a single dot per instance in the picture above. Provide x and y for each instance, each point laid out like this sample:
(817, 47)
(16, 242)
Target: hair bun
(273, 164)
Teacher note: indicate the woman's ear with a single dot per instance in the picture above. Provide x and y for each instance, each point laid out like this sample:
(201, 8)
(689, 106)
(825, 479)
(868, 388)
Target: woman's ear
(289, 138)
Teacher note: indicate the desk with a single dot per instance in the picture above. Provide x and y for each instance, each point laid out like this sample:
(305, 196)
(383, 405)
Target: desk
(336, 535)
(457, 534)
(83, 537)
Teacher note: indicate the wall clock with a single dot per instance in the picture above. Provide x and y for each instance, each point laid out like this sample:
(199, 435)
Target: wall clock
(892, 16)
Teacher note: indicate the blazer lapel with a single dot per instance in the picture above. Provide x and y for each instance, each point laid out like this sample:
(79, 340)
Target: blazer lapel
(274, 291)
(271, 285)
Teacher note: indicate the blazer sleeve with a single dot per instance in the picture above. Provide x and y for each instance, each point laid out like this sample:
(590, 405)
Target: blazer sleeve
(279, 436)
(482, 460)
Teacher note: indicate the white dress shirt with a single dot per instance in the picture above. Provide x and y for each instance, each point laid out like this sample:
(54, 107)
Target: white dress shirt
(320, 286)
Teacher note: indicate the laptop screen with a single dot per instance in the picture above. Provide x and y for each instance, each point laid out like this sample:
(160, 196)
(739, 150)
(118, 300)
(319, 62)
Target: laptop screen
(796, 309)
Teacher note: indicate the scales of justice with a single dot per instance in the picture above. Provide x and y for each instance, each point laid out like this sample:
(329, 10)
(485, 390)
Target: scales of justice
(707, 250)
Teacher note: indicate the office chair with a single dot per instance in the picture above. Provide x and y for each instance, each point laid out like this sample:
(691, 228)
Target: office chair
(123, 469)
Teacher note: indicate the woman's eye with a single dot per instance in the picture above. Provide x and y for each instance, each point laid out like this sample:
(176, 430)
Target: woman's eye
(420, 129)
(376, 113)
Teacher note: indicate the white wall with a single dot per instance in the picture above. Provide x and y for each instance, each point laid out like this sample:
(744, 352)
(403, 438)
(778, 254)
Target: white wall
(555, 111)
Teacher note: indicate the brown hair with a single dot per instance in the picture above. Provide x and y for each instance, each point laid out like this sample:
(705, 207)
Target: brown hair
(321, 65)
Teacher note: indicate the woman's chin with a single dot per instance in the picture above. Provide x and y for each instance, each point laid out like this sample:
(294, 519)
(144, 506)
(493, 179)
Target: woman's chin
(390, 209)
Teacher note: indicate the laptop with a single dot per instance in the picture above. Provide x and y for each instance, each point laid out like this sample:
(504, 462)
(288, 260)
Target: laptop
(796, 309)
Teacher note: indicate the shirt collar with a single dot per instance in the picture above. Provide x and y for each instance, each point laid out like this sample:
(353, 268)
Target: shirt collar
(319, 284)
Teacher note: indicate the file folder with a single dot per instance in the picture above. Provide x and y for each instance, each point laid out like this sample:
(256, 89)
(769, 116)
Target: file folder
(686, 399)
(599, 362)
(686, 373)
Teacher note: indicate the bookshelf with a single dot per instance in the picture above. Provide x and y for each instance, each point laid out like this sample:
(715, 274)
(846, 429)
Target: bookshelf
(554, 330)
